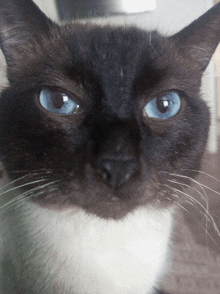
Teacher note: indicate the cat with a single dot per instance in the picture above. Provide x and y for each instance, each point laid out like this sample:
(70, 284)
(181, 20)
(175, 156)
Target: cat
(97, 127)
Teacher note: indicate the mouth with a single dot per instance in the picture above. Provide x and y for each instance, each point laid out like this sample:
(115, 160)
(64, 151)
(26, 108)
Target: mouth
(102, 200)
(89, 191)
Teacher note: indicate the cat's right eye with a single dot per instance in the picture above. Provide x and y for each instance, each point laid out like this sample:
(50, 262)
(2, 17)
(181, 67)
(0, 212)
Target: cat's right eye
(57, 102)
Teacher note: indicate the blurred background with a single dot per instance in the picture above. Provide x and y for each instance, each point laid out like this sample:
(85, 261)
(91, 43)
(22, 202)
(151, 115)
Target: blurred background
(195, 254)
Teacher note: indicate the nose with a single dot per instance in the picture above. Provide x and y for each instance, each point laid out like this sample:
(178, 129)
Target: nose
(117, 172)
(116, 151)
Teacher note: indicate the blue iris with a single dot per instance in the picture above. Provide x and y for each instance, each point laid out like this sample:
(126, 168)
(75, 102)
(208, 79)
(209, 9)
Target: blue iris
(57, 102)
(163, 107)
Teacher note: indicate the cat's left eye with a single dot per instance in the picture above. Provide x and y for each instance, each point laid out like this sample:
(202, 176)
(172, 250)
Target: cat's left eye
(163, 107)
(57, 102)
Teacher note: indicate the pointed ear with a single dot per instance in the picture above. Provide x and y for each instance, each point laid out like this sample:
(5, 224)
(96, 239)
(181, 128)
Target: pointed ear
(198, 41)
(20, 21)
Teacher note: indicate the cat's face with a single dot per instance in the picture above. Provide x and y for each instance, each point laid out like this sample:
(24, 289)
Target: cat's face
(101, 117)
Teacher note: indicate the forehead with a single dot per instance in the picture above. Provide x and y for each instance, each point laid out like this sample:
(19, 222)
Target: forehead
(115, 57)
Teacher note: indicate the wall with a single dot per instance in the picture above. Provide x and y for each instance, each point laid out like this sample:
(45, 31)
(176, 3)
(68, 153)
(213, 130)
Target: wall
(49, 7)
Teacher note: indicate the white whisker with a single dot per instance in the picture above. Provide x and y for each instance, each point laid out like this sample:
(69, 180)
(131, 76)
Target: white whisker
(24, 196)
(206, 211)
(193, 180)
(204, 173)
(17, 200)
(21, 186)
(204, 197)
(204, 228)
(17, 180)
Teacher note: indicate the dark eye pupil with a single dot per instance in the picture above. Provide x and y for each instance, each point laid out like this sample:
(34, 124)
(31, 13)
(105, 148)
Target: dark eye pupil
(163, 104)
(57, 100)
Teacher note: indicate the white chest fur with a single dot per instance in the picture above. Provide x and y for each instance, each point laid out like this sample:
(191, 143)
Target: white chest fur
(83, 254)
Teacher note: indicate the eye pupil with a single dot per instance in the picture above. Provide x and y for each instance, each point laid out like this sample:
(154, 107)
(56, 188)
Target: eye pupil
(57, 100)
(163, 104)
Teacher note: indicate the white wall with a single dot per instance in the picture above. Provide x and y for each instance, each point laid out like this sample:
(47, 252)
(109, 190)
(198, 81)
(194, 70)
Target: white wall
(168, 17)
(48, 7)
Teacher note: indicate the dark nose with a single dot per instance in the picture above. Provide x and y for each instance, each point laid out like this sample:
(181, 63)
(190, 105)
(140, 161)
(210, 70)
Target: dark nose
(116, 151)
(117, 172)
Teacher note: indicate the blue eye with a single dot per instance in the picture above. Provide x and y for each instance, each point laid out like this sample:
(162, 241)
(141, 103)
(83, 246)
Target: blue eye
(163, 107)
(57, 102)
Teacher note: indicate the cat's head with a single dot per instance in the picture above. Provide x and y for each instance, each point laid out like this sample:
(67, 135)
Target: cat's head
(101, 117)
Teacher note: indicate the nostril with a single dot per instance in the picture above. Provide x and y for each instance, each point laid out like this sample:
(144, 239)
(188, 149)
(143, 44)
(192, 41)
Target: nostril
(106, 171)
(116, 172)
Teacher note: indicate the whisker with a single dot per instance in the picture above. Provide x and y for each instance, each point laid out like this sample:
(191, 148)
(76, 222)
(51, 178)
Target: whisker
(202, 186)
(24, 196)
(192, 202)
(204, 228)
(21, 186)
(204, 173)
(204, 197)
(11, 28)
(207, 212)
(16, 201)
(186, 200)
(204, 214)
(12, 182)
(193, 180)
(23, 177)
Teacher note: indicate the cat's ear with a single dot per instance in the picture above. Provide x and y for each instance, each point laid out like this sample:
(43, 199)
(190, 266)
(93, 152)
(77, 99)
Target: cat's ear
(198, 41)
(20, 21)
